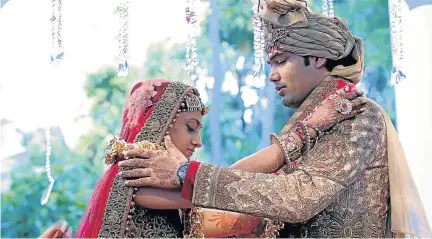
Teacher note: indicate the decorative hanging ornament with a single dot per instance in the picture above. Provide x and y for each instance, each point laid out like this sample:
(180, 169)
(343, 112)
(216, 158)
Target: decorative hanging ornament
(327, 7)
(47, 191)
(57, 52)
(56, 57)
(330, 8)
(191, 49)
(396, 20)
(258, 44)
(123, 38)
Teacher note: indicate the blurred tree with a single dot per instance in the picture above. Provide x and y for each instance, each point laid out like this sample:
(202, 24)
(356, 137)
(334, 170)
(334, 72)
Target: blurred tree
(22, 214)
(75, 170)
(240, 138)
(165, 60)
(218, 75)
(108, 95)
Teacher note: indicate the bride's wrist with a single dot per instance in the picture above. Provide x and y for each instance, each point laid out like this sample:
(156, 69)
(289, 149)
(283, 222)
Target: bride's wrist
(306, 134)
(303, 132)
(313, 132)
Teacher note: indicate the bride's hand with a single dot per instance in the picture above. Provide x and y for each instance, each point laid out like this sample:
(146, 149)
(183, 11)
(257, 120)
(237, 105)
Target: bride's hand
(153, 168)
(59, 229)
(337, 107)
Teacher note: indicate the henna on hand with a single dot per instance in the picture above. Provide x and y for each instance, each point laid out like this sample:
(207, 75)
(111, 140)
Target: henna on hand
(159, 167)
(136, 173)
(328, 113)
(338, 106)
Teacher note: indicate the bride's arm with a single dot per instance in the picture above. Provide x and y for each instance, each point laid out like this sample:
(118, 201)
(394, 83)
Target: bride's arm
(156, 198)
(218, 223)
(267, 160)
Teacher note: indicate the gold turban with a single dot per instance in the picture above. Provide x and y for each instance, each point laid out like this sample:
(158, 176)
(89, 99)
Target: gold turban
(289, 25)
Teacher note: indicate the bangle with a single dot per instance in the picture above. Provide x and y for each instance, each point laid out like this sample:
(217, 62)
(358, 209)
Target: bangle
(319, 132)
(307, 136)
(289, 146)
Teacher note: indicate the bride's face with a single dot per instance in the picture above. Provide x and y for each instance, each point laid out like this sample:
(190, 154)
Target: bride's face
(185, 133)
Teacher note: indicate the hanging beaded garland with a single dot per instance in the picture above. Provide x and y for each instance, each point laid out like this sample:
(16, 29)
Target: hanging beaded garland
(57, 54)
(47, 192)
(56, 29)
(191, 49)
(123, 38)
(327, 7)
(330, 8)
(396, 20)
(258, 44)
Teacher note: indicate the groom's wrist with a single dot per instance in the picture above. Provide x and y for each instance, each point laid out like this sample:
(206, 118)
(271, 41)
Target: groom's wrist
(189, 180)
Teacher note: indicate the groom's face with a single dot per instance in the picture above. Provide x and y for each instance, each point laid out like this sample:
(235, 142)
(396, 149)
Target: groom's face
(294, 76)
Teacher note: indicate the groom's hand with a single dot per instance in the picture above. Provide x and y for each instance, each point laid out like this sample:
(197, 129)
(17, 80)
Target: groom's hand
(154, 168)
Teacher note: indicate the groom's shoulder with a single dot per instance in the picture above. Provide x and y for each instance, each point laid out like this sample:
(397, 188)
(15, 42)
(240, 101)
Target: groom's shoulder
(371, 120)
(373, 110)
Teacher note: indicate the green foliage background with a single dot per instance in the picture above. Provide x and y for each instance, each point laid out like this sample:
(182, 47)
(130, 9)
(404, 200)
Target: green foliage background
(79, 168)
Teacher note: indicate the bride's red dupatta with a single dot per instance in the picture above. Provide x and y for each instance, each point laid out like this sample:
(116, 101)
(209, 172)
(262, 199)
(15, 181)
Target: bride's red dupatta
(139, 106)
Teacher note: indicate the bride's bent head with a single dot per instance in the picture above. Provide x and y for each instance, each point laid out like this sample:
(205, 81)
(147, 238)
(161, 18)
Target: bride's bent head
(156, 108)
(185, 133)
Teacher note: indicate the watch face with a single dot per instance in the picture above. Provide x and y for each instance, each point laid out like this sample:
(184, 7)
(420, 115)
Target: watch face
(182, 171)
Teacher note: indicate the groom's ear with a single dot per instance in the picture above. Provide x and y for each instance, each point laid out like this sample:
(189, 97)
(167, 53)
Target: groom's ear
(319, 62)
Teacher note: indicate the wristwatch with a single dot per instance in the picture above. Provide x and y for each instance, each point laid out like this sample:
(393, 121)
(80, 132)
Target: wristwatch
(181, 172)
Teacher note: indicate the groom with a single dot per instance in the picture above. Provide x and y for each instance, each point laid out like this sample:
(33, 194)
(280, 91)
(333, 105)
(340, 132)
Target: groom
(338, 181)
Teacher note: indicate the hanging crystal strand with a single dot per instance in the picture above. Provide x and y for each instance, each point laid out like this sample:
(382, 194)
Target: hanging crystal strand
(56, 56)
(191, 49)
(259, 41)
(53, 29)
(330, 8)
(261, 49)
(257, 38)
(56, 29)
(123, 38)
(395, 13)
(325, 7)
(47, 192)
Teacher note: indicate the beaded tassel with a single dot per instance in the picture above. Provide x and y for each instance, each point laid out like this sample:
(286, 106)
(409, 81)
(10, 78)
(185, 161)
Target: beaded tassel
(55, 59)
(327, 7)
(330, 8)
(191, 49)
(259, 41)
(56, 30)
(123, 38)
(396, 20)
(47, 192)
